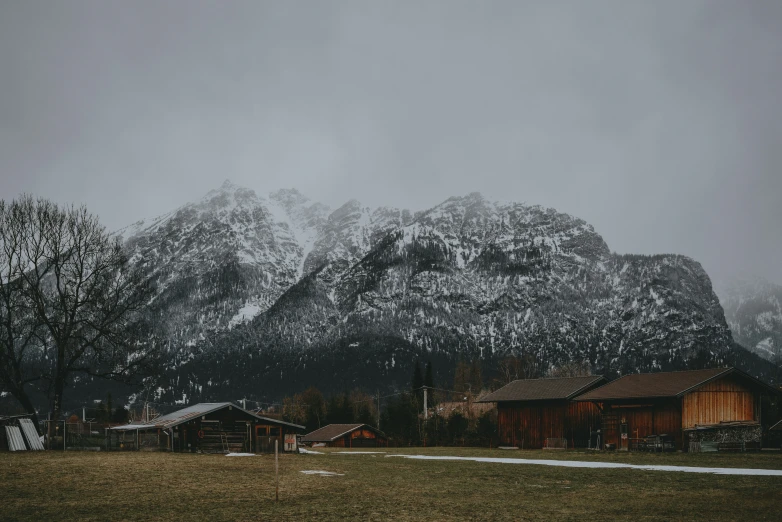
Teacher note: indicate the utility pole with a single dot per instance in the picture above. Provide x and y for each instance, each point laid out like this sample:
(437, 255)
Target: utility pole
(378, 409)
(84, 414)
(426, 409)
(276, 473)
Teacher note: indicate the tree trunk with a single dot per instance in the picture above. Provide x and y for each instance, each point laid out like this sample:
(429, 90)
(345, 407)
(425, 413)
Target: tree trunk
(27, 404)
(59, 387)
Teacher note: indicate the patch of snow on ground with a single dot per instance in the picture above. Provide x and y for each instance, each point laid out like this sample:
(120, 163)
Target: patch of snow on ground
(583, 464)
(240, 455)
(321, 472)
(360, 452)
(310, 452)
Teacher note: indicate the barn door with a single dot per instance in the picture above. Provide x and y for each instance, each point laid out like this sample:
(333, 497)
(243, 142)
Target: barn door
(624, 441)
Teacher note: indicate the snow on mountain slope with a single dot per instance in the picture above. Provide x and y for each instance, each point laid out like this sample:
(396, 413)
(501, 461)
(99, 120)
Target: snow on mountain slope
(506, 278)
(231, 250)
(348, 234)
(753, 309)
(284, 290)
(221, 261)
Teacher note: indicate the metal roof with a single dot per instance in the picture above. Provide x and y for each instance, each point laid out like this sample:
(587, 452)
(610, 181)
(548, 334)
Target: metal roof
(664, 384)
(14, 437)
(178, 417)
(543, 389)
(334, 431)
(31, 435)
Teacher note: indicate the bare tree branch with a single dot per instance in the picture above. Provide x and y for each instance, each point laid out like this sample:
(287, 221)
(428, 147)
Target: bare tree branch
(68, 294)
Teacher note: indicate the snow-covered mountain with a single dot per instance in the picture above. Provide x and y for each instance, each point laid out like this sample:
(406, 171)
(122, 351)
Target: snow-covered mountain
(753, 309)
(261, 293)
(222, 260)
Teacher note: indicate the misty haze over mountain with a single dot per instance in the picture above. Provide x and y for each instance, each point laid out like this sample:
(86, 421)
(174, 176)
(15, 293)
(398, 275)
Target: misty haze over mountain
(658, 123)
(405, 178)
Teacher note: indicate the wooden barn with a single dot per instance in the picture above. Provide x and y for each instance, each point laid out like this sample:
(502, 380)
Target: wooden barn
(347, 436)
(532, 413)
(209, 427)
(680, 407)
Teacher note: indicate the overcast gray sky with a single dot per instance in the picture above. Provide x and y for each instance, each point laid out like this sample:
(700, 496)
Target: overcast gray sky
(659, 122)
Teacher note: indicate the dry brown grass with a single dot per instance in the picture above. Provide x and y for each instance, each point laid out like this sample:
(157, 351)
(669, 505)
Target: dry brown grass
(162, 486)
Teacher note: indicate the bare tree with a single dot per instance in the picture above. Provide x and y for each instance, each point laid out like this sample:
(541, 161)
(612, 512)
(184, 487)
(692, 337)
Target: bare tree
(20, 354)
(512, 368)
(79, 297)
(572, 369)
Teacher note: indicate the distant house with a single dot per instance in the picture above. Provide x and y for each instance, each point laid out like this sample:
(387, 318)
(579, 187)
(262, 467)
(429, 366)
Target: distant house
(687, 406)
(530, 412)
(207, 427)
(465, 408)
(347, 436)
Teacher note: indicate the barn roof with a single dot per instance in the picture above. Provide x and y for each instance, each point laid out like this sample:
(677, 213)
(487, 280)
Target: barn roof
(543, 389)
(334, 431)
(192, 412)
(663, 384)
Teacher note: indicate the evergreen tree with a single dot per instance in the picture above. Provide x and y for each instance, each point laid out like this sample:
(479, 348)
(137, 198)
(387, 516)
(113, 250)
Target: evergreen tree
(334, 410)
(418, 381)
(347, 409)
(418, 378)
(120, 415)
(457, 427)
(429, 383)
(475, 378)
(461, 377)
(428, 377)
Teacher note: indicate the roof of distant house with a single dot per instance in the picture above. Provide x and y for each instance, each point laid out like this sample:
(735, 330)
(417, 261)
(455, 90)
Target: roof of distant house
(332, 432)
(662, 384)
(192, 412)
(543, 389)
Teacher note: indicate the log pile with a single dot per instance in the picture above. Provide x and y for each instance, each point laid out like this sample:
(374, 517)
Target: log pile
(727, 433)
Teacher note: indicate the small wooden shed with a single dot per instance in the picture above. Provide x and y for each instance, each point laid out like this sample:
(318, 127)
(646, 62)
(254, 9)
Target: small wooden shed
(347, 436)
(681, 405)
(531, 412)
(207, 427)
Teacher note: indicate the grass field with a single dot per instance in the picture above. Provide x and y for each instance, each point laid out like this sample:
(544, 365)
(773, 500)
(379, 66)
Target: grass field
(163, 486)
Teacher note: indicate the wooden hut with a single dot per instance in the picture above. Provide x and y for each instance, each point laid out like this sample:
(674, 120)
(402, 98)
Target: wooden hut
(220, 427)
(347, 436)
(679, 405)
(536, 413)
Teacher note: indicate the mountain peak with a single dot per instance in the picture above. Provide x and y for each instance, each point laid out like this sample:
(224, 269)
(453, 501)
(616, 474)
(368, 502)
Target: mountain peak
(229, 186)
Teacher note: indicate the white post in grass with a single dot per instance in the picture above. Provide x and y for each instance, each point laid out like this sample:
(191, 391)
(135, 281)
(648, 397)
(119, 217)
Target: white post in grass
(276, 473)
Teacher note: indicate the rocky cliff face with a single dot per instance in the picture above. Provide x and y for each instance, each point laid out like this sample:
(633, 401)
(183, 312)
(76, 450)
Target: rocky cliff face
(753, 309)
(257, 295)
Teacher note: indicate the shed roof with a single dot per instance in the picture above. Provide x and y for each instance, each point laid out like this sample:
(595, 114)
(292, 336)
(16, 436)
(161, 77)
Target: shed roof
(662, 385)
(543, 389)
(334, 431)
(192, 412)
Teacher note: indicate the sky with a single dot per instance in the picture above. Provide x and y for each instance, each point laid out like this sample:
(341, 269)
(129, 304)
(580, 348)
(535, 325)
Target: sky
(660, 123)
